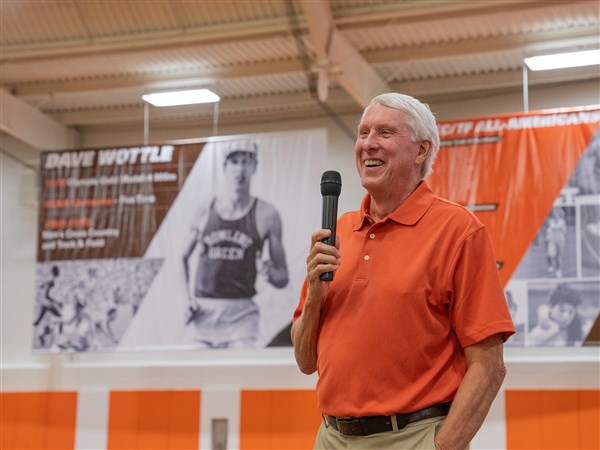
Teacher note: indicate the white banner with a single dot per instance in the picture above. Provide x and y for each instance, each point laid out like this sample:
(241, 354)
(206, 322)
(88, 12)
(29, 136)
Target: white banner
(176, 246)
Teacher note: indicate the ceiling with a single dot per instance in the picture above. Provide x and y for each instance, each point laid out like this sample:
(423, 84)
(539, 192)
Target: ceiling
(83, 65)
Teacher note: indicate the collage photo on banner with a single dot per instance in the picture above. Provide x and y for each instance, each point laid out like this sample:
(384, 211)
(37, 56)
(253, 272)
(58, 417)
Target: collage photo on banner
(554, 295)
(188, 245)
(533, 179)
(87, 305)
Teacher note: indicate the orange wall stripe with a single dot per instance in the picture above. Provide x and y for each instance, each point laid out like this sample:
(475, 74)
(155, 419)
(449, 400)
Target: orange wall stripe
(566, 419)
(38, 420)
(560, 419)
(123, 410)
(523, 427)
(556, 419)
(589, 418)
(154, 420)
(278, 419)
(185, 420)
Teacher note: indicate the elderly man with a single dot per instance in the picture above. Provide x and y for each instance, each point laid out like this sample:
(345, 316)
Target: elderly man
(407, 339)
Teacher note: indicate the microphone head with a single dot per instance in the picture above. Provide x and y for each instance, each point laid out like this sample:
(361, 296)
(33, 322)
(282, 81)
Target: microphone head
(331, 183)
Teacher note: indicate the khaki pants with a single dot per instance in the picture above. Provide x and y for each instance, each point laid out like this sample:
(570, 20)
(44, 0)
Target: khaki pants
(417, 435)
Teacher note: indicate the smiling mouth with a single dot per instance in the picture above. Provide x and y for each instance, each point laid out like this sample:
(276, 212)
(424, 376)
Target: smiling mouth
(373, 163)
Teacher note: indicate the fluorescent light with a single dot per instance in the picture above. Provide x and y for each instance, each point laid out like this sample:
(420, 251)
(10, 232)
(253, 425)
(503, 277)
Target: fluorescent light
(563, 60)
(176, 98)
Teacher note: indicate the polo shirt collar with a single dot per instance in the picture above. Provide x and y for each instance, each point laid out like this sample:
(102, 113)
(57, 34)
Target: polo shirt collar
(408, 213)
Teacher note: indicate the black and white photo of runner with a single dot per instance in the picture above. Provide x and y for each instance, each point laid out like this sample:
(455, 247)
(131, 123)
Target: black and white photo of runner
(87, 305)
(587, 183)
(48, 320)
(553, 252)
(235, 237)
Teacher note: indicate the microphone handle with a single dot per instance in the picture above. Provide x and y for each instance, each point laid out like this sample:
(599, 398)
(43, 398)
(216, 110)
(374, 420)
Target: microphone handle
(330, 206)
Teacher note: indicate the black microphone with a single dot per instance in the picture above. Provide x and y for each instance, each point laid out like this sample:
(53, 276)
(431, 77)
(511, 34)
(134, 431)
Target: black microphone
(331, 186)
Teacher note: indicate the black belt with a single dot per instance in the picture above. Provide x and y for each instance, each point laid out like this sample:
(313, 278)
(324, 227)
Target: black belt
(364, 426)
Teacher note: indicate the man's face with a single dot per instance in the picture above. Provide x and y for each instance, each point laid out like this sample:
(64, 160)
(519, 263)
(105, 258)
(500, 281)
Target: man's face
(387, 159)
(239, 167)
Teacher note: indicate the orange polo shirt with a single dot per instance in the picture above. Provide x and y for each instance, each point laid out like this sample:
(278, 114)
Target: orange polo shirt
(412, 290)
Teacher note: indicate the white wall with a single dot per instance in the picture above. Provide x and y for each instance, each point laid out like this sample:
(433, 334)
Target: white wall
(18, 227)
(264, 369)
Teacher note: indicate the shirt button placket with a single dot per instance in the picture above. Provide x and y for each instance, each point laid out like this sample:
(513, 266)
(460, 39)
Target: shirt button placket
(371, 237)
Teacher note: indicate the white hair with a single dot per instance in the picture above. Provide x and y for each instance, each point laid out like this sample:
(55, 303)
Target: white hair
(420, 119)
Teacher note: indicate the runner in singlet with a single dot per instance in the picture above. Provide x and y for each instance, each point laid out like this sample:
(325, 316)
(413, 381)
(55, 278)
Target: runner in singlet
(227, 266)
(231, 235)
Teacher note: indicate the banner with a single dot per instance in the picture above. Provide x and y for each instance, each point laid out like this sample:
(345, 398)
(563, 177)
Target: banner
(181, 246)
(533, 179)
(196, 245)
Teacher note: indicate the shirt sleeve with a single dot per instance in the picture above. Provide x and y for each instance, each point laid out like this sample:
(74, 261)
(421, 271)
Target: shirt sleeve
(478, 306)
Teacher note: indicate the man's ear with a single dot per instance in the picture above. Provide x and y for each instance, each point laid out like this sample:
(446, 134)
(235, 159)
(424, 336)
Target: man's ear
(424, 149)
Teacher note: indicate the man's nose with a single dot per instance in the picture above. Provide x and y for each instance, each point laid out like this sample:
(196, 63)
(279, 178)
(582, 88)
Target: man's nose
(370, 142)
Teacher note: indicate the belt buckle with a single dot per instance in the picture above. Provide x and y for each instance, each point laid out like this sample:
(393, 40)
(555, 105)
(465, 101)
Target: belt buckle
(349, 426)
(401, 421)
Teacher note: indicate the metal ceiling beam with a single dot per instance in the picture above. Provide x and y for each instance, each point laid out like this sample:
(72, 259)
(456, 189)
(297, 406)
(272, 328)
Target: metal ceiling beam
(30, 126)
(18, 150)
(491, 82)
(337, 58)
(185, 78)
(540, 41)
(99, 45)
(543, 41)
(281, 107)
(266, 28)
(252, 106)
(418, 12)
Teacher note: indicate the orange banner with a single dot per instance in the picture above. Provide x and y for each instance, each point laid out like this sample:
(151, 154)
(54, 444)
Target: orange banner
(509, 170)
(534, 180)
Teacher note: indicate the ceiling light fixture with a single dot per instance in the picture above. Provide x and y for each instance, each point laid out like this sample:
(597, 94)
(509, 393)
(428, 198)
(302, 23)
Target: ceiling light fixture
(563, 60)
(177, 98)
